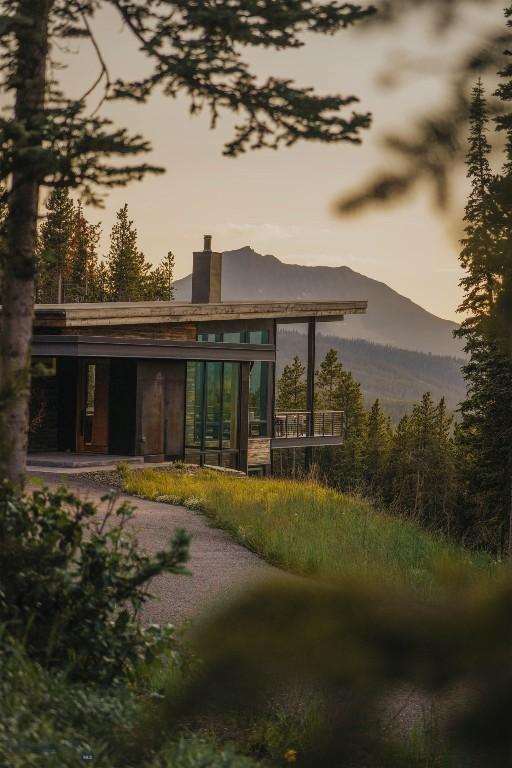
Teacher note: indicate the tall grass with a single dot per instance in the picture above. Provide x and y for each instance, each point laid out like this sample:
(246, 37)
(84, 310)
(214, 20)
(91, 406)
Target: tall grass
(311, 530)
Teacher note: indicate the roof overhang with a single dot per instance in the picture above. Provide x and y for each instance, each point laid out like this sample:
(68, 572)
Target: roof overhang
(139, 313)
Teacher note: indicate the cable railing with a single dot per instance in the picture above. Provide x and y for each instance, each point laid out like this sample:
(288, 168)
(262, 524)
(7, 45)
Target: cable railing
(295, 424)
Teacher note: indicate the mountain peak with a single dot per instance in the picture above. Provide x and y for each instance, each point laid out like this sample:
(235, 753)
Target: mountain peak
(391, 318)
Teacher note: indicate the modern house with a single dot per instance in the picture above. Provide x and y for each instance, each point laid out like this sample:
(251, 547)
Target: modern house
(167, 380)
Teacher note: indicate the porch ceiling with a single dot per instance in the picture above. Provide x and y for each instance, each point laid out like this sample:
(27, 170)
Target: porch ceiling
(138, 313)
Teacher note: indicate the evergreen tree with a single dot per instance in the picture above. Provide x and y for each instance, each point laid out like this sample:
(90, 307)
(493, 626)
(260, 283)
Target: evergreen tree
(160, 280)
(342, 466)
(127, 269)
(484, 435)
(422, 466)
(501, 326)
(376, 452)
(82, 280)
(291, 387)
(327, 381)
(479, 242)
(54, 241)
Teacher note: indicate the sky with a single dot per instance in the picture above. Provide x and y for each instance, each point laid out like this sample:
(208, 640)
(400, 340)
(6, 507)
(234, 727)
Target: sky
(281, 202)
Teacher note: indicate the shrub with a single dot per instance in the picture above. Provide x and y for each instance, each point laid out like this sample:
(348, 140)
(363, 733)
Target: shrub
(72, 583)
(46, 721)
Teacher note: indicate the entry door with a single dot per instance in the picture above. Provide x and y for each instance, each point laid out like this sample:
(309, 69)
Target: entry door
(93, 390)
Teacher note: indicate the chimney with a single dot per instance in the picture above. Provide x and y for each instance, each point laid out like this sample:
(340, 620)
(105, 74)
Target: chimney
(206, 274)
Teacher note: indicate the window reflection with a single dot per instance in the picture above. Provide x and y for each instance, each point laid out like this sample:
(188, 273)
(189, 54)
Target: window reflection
(258, 400)
(212, 412)
(236, 337)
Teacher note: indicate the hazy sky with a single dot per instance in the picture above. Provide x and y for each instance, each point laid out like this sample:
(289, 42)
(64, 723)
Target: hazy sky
(281, 202)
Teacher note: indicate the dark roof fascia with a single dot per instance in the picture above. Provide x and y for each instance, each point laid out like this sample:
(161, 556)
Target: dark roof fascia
(53, 345)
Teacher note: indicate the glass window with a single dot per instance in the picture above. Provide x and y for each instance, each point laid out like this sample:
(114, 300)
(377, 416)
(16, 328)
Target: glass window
(230, 405)
(258, 337)
(194, 409)
(212, 412)
(236, 337)
(213, 404)
(258, 400)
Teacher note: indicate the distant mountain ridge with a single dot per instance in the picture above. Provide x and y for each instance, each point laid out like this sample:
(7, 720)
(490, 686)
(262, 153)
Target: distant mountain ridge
(397, 377)
(392, 319)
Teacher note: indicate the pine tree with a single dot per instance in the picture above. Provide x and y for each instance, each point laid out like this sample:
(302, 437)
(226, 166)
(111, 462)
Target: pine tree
(422, 466)
(479, 242)
(54, 241)
(343, 466)
(291, 387)
(483, 438)
(500, 328)
(160, 285)
(82, 284)
(376, 452)
(127, 269)
(327, 381)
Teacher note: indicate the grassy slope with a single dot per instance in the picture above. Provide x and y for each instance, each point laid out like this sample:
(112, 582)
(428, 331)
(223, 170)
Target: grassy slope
(308, 529)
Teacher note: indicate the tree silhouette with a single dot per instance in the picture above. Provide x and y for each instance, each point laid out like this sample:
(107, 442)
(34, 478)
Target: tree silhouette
(47, 138)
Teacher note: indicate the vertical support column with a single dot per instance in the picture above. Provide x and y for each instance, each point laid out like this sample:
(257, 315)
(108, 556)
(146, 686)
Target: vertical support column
(310, 394)
(243, 434)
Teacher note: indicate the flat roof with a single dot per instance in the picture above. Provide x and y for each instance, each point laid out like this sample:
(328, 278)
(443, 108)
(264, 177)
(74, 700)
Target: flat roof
(135, 313)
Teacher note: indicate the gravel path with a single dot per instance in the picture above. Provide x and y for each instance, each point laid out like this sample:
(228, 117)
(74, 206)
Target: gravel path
(219, 567)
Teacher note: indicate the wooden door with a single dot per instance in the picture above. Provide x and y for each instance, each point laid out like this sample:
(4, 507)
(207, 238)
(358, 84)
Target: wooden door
(93, 396)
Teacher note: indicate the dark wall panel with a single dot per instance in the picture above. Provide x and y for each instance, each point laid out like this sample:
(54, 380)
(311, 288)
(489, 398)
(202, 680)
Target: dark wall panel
(122, 409)
(150, 407)
(174, 437)
(67, 374)
(43, 414)
(160, 408)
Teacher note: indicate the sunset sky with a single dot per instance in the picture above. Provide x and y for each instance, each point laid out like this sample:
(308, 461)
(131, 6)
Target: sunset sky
(281, 202)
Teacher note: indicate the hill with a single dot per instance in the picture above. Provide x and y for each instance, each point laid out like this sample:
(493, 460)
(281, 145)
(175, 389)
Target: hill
(398, 377)
(392, 319)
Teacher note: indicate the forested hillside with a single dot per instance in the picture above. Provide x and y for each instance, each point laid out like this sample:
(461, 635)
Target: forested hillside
(398, 377)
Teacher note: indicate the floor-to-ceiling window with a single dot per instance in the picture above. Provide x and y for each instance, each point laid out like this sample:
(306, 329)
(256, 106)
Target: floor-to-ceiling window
(258, 400)
(212, 413)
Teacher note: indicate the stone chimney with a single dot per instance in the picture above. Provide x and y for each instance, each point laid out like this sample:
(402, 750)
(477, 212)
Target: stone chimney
(206, 274)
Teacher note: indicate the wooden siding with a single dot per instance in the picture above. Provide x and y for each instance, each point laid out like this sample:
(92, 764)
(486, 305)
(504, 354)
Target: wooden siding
(258, 451)
(170, 331)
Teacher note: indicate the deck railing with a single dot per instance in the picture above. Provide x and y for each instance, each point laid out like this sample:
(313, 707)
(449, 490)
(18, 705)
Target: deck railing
(294, 424)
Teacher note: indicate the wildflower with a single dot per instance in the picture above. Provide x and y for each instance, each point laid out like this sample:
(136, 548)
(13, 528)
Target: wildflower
(290, 755)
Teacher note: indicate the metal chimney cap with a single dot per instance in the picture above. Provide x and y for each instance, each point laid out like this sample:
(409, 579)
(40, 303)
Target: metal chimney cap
(207, 242)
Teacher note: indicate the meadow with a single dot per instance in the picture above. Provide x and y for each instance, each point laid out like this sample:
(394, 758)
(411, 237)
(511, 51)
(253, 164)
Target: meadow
(314, 531)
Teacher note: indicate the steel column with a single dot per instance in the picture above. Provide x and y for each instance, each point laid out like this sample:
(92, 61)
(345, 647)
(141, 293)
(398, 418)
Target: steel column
(310, 394)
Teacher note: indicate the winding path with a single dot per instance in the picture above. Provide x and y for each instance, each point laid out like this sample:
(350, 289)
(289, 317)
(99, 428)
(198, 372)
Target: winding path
(219, 567)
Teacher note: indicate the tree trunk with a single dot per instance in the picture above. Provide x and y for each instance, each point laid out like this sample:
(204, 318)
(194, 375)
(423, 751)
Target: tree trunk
(29, 82)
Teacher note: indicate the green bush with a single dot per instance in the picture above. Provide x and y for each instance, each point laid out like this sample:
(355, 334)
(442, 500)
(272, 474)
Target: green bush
(72, 583)
(48, 722)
